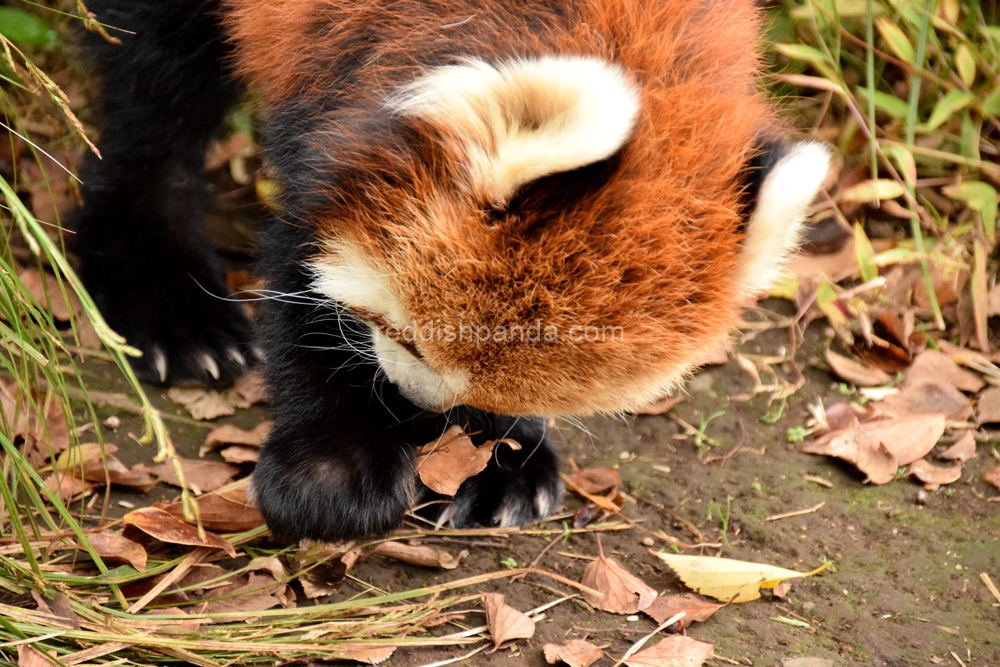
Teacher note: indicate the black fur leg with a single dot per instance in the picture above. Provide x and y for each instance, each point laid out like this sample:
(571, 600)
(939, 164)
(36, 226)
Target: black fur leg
(145, 256)
(517, 487)
(339, 463)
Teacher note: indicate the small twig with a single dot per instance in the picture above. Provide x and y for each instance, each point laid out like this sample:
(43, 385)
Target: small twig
(175, 575)
(539, 557)
(990, 585)
(788, 515)
(690, 527)
(957, 659)
(818, 480)
(722, 458)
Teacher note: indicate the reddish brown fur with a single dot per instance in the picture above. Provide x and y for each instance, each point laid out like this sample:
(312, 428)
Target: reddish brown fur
(655, 251)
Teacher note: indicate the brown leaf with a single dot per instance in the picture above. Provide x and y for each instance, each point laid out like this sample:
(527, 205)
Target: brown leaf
(256, 592)
(934, 476)
(28, 656)
(907, 438)
(226, 510)
(836, 265)
(238, 454)
(992, 476)
(854, 371)
(370, 655)
(115, 546)
(623, 592)
(201, 403)
(322, 566)
(928, 398)
(38, 284)
(87, 461)
(596, 480)
(451, 459)
(227, 434)
(173, 627)
(248, 389)
(963, 450)
(694, 607)
(199, 476)
(505, 622)
(166, 528)
(872, 459)
(933, 366)
(68, 487)
(675, 651)
(420, 555)
(575, 653)
(988, 406)
(660, 407)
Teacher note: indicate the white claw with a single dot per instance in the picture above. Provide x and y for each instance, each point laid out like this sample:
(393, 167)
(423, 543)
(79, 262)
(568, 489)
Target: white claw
(208, 363)
(160, 364)
(235, 355)
(258, 352)
(446, 515)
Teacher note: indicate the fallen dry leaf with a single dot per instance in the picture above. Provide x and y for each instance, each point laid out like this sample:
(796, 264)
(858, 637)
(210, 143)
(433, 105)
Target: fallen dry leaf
(238, 454)
(451, 459)
(725, 579)
(38, 284)
(248, 389)
(256, 592)
(623, 592)
(595, 480)
(934, 366)
(420, 555)
(227, 434)
(855, 372)
(963, 450)
(88, 462)
(695, 609)
(322, 566)
(199, 476)
(202, 404)
(166, 528)
(505, 622)
(28, 656)
(928, 398)
(370, 655)
(988, 406)
(68, 487)
(115, 546)
(575, 653)
(675, 651)
(226, 510)
(871, 458)
(934, 476)
(992, 476)
(173, 627)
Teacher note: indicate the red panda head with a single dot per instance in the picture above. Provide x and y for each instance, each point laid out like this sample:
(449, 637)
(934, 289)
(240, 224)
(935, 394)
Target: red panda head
(561, 231)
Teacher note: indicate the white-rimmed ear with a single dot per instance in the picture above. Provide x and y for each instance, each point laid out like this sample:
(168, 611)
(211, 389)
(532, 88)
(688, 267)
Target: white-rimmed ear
(775, 225)
(519, 120)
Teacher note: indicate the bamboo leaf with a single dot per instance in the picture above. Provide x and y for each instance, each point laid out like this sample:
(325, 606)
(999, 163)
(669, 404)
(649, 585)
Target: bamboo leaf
(965, 63)
(896, 39)
(953, 101)
(885, 102)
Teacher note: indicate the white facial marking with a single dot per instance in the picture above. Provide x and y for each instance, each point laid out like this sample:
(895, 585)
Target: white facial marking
(345, 275)
(519, 120)
(776, 223)
(418, 382)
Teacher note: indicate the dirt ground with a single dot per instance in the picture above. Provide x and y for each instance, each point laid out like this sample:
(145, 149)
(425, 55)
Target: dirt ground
(904, 589)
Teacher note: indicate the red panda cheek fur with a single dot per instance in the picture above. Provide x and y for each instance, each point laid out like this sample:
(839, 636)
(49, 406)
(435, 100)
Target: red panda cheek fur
(651, 252)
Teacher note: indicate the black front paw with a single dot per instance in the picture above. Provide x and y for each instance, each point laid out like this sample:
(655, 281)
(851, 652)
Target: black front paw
(170, 302)
(517, 487)
(309, 486)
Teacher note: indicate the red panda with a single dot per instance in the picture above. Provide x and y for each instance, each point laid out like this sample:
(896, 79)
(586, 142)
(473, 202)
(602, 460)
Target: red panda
(509, 210)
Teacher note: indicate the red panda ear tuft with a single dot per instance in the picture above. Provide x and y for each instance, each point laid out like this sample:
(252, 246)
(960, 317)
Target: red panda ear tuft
(775, 226)
(518, 120)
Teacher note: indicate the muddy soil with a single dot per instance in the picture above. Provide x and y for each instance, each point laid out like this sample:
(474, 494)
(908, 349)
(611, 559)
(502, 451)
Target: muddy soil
(904, 589)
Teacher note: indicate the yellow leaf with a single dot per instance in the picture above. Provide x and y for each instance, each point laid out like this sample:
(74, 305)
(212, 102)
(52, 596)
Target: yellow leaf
(724, 579)
(872, 190)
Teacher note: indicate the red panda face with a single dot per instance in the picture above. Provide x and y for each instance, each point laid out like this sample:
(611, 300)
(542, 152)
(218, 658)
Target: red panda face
(551, 221)
(548, 250)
